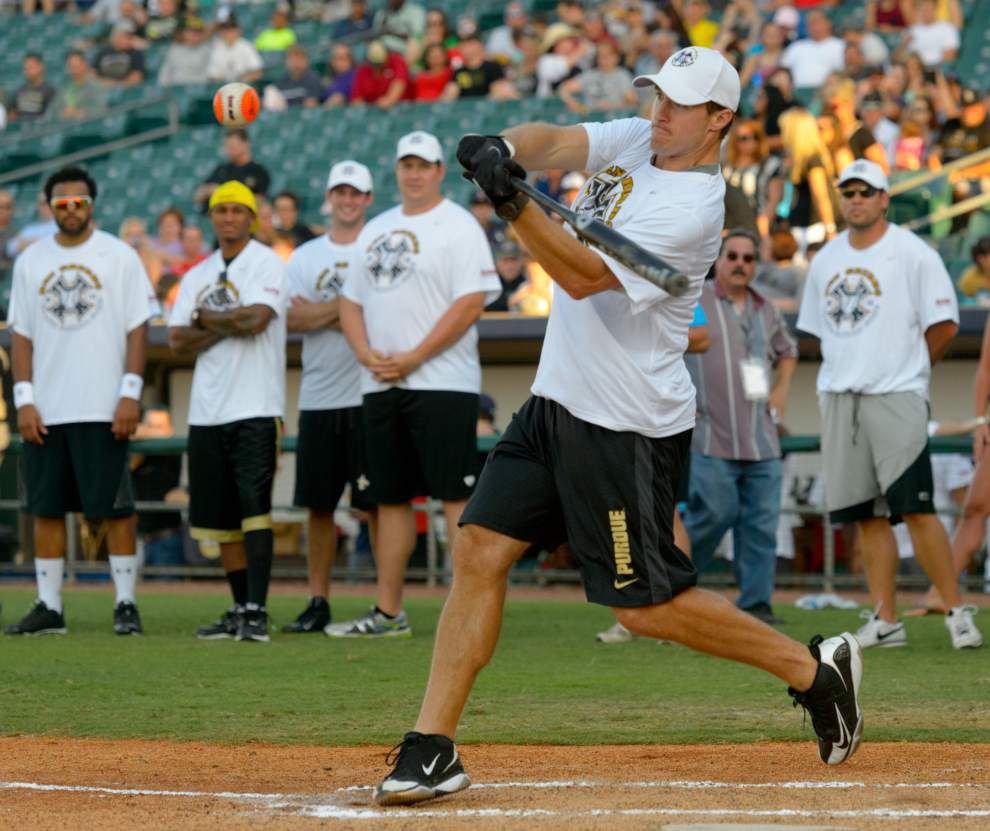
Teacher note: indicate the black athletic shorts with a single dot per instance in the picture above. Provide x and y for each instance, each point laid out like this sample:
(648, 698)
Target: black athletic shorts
(231, 471)
(420, 443)
(554, 478)
(80, 467)
(911, 493)
(329, 454)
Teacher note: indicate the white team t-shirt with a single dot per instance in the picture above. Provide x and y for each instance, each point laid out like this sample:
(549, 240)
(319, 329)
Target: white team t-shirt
(811, 61)
(77, 305)
(930, 41)
(412, 270)
(331, 375)
(616, 359)
(870, 309)
(241, 377)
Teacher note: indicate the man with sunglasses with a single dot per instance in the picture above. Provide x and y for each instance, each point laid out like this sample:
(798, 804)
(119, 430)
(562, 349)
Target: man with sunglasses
(736, 469)
(230, 317)
(884, 308)
(78, 317)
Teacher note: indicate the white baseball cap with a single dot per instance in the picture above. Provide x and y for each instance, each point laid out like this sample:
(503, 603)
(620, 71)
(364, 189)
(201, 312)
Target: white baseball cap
(696, 75)
(421, 144)
(865, 171)
(350, 173)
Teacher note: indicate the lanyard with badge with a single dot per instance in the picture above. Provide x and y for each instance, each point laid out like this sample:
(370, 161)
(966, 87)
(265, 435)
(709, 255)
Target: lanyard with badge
(753, 371)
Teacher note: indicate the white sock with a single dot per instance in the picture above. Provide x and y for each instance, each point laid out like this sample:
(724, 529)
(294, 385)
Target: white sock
(49, 574)
(124, 569)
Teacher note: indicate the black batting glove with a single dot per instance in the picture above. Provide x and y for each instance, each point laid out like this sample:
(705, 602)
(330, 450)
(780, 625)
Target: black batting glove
(472, 148)
(495, 177)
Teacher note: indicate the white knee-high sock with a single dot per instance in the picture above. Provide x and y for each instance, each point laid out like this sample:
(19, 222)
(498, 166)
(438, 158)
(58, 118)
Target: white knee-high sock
(124, 569)
(49, 574)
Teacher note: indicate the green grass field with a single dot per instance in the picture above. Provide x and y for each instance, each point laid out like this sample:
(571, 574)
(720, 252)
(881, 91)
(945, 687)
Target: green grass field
(549, 682)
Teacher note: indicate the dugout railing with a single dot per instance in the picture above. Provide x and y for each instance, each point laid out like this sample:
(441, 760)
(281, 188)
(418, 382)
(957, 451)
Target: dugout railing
(437, 570)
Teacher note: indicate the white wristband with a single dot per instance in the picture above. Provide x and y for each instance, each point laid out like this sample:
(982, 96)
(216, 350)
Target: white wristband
(131, 385)
(23, 394)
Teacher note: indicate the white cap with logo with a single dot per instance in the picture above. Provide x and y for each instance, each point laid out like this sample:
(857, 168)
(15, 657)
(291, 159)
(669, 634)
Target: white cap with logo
(865, 171)
(696, 75)
(350, 173)
(421, 144)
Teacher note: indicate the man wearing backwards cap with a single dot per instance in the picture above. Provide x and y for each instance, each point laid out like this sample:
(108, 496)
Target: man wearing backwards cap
(885, 310)
(594, 456)
(330, 452)
(230, 316)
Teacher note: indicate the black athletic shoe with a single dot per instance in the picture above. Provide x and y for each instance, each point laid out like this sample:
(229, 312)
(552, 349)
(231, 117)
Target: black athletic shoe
(126, 620)
(426, 766)
(764, 612)
(225, 628)
(253, 626)
(833, 700)
(39, 621)
(312, 619)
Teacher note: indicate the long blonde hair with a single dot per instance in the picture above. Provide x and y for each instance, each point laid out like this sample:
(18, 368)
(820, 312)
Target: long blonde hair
(802, 141)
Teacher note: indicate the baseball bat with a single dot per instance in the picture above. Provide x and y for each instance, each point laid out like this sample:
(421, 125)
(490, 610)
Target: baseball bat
(647, 265)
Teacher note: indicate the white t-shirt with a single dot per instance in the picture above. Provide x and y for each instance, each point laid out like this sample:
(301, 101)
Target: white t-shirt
(930, 41)
(812, 61)
(242, 377)
(77, 305)
(414, 267)
(331, 377)
(616, 358)
(231, 63)
(871, 308)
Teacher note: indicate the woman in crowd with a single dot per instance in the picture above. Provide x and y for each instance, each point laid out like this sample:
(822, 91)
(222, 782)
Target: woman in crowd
(776, 96)
(134, 232)
(888, 15)
(522, 73)
(750, 167)
(811, 212)
(835, 141)
(429, 84)
(919, 131)
(167, 244)
(765, 57)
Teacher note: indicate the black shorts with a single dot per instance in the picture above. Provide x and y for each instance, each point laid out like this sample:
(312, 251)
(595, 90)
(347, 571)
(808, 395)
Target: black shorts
(231, 471)
(911, 493)
(80, 467)
(420, 443)
(329, 454)
(554, 478)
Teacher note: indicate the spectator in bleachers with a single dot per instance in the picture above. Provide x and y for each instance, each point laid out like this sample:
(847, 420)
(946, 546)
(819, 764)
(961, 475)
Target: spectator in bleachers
(606, 87)
(164, 23)
(888, 15)
(271, 235)
(700, 28)
(501, 43)
(811, 211)
(301, 87)
(563, 50)
(339, 81)
(239, 167)
(287, 221)
(383, 78)
(871, 111)
(119, 64)
(831, 133)
(765, 57)
(778, 277)
(43, 226)
(134, 232)
(595, 31)
(233, 58)
(974, 282)
(430, 83)
(279, 36)
(193, 253)
(812, 59)
(511, 267)
(33, 97)
(80, 96)
(840, 101)
(662, 44)
(966, 131)
(934, 41)
(571, 13)
(477, 77)
(188, 56)
(870, 45)
(775, 97)
(402, 21)
(167, 242)
(741, 23)
(522, 72)
(437, 31)
(7, 232)
(359, 20)
(483, 211)
(758, 174)
(918, 134)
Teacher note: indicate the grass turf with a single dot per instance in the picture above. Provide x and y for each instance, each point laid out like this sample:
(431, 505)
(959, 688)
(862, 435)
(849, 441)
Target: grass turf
(549, 682)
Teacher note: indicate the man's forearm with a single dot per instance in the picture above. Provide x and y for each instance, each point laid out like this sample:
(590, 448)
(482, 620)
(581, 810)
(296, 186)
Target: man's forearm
(938, 337)
(352, 325)
(451, 327)
(785, 373)
(137, 350)
(186, 341)
(242, 322)
(546, 146)
(21, 357)
(309, 317)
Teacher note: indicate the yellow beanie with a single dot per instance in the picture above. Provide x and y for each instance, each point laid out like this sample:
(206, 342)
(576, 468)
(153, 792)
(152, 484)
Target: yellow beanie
(239, 194)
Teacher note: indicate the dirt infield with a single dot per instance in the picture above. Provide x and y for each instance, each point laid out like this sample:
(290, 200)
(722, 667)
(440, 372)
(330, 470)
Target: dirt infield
(50, 783)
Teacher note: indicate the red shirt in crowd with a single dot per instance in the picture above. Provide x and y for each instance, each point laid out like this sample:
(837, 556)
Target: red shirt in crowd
(428, 86)
(372, 82)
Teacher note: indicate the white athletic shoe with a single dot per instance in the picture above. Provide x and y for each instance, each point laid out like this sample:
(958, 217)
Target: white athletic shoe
(962, 630)
(876, 632)
(616, 633)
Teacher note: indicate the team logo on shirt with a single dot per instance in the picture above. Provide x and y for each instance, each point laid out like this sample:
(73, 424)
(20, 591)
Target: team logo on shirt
(330, 281)
(604, 193)
(71, 296)
(390, 259)
(852, 299)
(219, 296)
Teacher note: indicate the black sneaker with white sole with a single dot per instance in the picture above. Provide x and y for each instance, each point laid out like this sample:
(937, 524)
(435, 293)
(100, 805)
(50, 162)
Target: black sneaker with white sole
(312, 619)
(126, 620)
(833, 699)
(39, 621)
(223, 629)
(253, 626)
(425, 767)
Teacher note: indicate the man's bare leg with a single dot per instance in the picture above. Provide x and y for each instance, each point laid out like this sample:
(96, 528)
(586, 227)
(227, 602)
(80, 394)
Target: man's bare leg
(879, 549)
(681, 538)
(395, 542)
(934, 555)
(320, 551)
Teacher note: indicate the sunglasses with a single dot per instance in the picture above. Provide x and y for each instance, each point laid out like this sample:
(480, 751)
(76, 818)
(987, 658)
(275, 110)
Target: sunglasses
(65, 202)
(866, 191)
(732, 256)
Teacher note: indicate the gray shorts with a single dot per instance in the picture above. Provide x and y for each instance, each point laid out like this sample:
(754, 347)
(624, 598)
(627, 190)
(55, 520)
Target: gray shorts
(875, 450)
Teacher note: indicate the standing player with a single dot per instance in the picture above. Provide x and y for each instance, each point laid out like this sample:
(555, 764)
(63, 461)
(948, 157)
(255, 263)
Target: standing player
(330, 452)
(409, 316)
(230, 316)
(78, 316)
(885, 310)
(595, 454)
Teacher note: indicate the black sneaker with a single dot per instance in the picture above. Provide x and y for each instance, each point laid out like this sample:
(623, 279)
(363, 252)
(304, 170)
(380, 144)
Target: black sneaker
(764, 612)
(225, 628)
(312, 619)
(126, 620)
(39, 621)
(253, 626)
(833, 699)
(426, 766)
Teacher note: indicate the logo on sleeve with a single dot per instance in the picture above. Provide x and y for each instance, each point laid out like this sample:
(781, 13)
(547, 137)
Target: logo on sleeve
(390, 259)
(852, 301)
(71, 296)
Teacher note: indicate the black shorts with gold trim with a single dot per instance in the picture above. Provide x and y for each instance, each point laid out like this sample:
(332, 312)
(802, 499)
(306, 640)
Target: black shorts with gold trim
(231, 471)
(553, 478)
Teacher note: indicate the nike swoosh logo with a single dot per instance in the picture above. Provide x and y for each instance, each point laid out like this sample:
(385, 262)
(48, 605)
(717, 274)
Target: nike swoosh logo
(428, 769)
(884, 637)
(624, 583)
